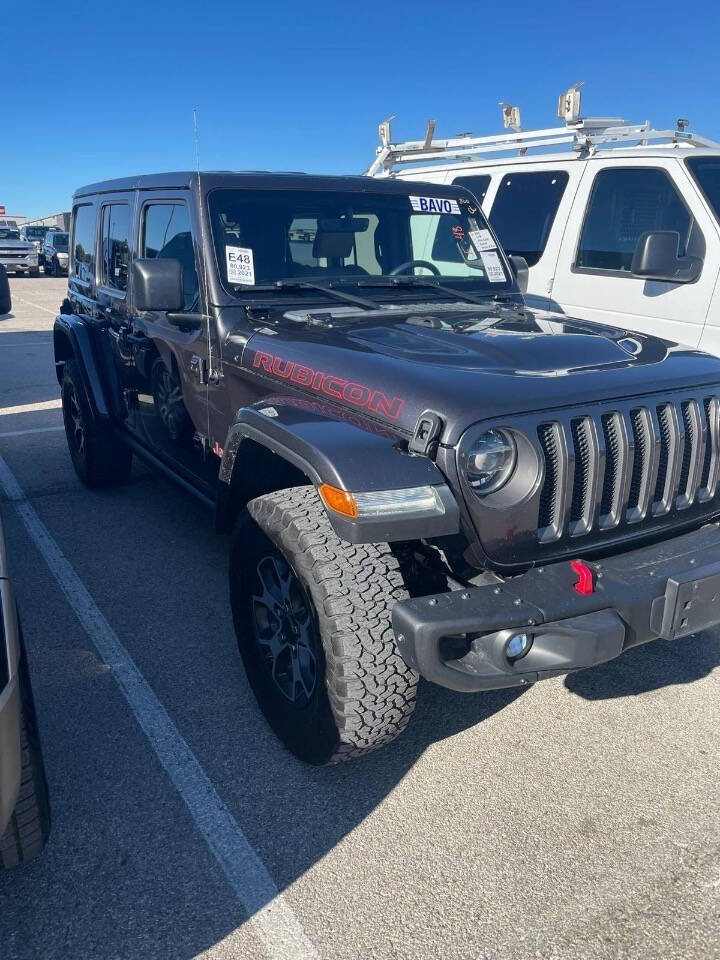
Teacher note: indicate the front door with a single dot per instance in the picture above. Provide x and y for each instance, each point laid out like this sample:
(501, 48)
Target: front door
(171, 363)
(618, 200)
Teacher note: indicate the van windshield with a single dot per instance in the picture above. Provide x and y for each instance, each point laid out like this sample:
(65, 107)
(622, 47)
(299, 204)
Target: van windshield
(706, 171)
(264, 236)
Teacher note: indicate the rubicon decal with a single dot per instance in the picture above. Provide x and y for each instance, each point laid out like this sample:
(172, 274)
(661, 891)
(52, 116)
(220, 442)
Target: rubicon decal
(338, 388)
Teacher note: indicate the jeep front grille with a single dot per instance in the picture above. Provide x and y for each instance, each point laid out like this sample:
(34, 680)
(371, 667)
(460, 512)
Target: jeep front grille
(608, 469)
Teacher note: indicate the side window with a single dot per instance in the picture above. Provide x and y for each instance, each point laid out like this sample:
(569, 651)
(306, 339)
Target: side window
(84, 244)
(444, 246)
(166, 234)
(626, 202)
(524, 210)
(115, 249)
(476, 185)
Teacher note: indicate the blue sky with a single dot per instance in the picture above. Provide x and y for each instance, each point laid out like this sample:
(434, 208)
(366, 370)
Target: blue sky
(106, 89)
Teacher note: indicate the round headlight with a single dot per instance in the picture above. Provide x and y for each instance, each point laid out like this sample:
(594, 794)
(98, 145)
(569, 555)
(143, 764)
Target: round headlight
(490, 461)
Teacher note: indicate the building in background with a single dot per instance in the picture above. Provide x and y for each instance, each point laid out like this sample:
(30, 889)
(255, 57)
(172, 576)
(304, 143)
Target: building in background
(60, 220)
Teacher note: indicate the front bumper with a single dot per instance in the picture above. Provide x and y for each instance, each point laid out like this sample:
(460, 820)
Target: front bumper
(459, 639)
(20, 263)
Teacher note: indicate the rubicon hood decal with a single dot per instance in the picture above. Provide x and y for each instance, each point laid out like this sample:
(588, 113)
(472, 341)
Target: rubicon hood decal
(338, 388)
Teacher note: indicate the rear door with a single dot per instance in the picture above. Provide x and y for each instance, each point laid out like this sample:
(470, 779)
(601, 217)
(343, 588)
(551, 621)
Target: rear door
(618, 200)
(528, 207)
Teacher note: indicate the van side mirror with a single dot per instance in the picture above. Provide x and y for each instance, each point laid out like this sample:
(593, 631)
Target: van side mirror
(158, 284)
(521, 271)
(656, 258)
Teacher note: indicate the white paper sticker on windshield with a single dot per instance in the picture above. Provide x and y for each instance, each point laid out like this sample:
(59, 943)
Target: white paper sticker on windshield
(240, 267)
(483, 240)
(493, 267)
(434, 205)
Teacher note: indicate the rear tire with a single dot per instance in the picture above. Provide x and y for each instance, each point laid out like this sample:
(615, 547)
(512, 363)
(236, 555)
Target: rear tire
(29, 826)
(357, 693)
(99, 458)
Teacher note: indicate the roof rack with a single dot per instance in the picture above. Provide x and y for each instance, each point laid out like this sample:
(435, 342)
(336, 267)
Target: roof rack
(583, 134)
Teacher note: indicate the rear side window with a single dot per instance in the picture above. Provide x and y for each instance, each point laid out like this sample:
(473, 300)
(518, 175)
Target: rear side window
(166, 234)
(524, 211)
(625, 203)
(476, 185)
(445, 244)
(115, 248)
(84, 244)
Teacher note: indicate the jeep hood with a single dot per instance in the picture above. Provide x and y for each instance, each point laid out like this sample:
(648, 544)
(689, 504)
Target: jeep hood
(467, 363)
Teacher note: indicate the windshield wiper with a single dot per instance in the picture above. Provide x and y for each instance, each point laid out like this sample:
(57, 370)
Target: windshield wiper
(428, 284)
(329, 290)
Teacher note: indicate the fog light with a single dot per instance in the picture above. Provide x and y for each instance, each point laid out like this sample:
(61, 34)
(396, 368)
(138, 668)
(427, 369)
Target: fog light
(518, 645)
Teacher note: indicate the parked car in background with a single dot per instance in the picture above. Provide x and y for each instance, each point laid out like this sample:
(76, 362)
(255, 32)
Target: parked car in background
(36, 236)
(16, 255)
(55, 253)
(621, 227)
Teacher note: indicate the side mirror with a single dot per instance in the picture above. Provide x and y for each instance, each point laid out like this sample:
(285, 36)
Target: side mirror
(158, 284)
(656, 258)
(521, 271)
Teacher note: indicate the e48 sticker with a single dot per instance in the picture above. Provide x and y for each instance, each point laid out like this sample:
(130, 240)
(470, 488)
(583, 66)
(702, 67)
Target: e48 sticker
(434, 205)
(240, 266)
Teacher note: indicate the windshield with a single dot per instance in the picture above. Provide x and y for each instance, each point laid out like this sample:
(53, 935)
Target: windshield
(262, 237)
(6, 234)
(60, 241)
(706, 171)
(35, 233)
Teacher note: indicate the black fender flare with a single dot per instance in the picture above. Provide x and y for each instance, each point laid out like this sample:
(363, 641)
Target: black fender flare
(73, 338)
(344, 451)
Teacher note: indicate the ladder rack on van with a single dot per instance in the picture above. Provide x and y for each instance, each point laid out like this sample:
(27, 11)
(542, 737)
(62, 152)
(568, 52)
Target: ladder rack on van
(583, 134)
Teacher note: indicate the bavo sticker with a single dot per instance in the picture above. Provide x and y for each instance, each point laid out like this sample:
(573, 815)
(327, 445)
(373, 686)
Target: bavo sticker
(434, 205)
(240, 266)
(482, 240)
(493, 266)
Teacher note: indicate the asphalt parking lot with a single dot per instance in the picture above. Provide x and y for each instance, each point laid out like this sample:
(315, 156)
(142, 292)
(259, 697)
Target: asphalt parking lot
(578, 819)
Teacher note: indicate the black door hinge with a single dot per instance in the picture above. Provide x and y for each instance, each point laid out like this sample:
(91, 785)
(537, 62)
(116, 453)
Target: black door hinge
(426, 434)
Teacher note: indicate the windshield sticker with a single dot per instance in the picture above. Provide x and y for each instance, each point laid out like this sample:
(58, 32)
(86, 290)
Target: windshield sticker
(434, 205)
(482, 240)
(493, 267)
(240, 267)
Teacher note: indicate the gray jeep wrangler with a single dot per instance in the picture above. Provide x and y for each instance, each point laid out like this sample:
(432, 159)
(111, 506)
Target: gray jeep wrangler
(423, 476)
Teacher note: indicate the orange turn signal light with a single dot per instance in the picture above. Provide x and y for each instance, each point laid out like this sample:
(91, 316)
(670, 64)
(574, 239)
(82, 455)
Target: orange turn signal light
(338, 500)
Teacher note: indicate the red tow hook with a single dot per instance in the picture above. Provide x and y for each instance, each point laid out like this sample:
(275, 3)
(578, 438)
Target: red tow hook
(584, 583)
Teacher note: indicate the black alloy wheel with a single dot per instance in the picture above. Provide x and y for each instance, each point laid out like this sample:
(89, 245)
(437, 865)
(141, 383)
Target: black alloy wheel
(284, 630)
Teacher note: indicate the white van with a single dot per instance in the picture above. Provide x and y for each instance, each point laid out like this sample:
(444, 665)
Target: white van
(620, 227)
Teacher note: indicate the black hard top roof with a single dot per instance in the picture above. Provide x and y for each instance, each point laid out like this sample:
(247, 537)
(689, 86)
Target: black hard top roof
(261, 180)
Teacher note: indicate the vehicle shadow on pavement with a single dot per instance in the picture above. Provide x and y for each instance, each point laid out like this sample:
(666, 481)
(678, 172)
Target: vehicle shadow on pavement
(661, 663)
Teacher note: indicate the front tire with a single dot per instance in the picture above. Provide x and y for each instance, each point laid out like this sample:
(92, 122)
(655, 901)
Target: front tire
(99, 458)
(312, 618)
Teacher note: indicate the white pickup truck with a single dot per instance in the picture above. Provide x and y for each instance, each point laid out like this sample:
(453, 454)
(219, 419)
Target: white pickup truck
(620, 225)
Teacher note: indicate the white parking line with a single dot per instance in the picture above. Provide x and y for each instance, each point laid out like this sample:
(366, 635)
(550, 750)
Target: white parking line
(53, 313)
(31, 407)
(21, 433)
(270, 915)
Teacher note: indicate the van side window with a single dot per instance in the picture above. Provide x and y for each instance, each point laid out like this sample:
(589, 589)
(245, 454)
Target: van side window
(476, 185)
(626, 202)
(524, 210)
(444, 245)
(84, 244)
(166, 234)
(115, 249)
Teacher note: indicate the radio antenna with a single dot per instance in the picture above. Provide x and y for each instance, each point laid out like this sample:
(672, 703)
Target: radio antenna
(212, 374)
